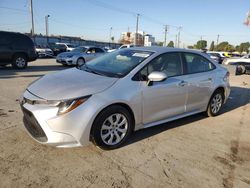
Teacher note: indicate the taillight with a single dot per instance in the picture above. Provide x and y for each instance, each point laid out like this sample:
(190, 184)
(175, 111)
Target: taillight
(226, 77)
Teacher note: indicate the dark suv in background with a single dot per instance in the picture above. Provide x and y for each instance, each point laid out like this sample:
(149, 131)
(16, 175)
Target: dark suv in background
(16, 49)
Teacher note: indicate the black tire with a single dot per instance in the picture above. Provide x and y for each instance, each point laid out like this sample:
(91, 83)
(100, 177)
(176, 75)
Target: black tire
(19, 61)
(100, 120)
(80, 62)
(211, 112)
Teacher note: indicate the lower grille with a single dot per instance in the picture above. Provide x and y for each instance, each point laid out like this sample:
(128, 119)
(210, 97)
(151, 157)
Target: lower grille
(33, 126)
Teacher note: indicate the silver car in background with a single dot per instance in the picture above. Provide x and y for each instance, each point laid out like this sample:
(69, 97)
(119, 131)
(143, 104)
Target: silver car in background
(79, 55)
(108, 98)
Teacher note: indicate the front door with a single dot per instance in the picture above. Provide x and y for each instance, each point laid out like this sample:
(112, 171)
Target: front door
(167, 98)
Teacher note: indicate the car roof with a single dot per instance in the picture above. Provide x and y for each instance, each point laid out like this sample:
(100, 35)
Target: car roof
(159, 49)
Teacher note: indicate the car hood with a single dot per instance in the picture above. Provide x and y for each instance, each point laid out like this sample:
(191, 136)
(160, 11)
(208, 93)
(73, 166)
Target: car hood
(69, 84)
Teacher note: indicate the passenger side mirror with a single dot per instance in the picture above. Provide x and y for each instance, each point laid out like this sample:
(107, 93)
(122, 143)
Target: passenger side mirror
(156, 77)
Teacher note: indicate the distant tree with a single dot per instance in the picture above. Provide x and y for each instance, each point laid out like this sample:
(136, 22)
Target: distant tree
(201, 44)
(190, 47)
(243, 47)
(160, 43)
(222, 46)
(171, 44)
(212, 46)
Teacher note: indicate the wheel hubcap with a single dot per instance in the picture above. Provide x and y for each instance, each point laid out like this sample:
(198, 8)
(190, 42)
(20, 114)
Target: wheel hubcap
(114, 129)
(20, 62)
(216, 103)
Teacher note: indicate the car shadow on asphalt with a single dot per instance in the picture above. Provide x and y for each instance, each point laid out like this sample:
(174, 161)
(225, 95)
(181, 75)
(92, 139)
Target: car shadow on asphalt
(9, 72)
(239, 97)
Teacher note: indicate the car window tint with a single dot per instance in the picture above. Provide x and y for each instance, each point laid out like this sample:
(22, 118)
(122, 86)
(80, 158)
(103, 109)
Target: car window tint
(169, 63)
(197, 63)
(99, 50)
(5, 38)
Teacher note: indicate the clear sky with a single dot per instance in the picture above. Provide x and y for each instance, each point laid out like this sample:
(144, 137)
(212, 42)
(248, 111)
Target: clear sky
(92, 19)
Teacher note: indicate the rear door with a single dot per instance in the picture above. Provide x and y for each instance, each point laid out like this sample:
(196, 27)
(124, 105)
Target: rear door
(199, 77)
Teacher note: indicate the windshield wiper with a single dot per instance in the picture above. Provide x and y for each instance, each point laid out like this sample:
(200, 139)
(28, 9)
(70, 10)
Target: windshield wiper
(86, 68)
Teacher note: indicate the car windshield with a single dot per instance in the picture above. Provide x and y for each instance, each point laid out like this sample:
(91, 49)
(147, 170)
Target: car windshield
(116, 64)
(79, 49)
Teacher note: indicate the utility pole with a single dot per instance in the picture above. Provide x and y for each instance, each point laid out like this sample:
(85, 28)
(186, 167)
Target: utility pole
(165, 35)
(137, 25)
(47, 27)
(201, 37)
(218, 37)
(110, 33)
(179, 35)
(32, 19)
(175, 44)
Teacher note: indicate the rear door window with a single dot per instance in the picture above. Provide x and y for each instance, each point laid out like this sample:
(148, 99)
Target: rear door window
(196, 63)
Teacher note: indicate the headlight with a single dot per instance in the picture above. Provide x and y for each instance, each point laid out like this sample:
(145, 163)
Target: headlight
(69, 105)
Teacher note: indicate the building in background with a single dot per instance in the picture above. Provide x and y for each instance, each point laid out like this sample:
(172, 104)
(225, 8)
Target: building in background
(149, 40)
(129, 38)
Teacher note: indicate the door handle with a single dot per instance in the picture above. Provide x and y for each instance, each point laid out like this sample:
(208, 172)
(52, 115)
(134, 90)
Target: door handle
(183, 83)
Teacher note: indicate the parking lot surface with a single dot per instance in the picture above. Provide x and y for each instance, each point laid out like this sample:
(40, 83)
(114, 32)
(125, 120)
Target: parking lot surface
(196, 151)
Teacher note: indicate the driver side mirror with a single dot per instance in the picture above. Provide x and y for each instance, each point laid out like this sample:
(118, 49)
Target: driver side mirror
(156, 77)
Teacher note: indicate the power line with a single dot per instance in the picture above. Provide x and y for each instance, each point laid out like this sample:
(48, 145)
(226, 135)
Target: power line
(14, 9)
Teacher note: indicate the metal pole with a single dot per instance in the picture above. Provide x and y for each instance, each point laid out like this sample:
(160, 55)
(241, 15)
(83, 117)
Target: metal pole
(179, 35)
(110, 33)
(47, 27)
(218, 36)
(165, 35)
(175, 41)
(32, 19)
(137, 25)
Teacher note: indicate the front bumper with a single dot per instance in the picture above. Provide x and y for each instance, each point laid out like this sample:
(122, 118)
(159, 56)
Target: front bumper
(46, 127)
(65, 61)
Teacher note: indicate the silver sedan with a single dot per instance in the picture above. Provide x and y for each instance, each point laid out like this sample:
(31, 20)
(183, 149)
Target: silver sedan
(108, 98)
(79, 55)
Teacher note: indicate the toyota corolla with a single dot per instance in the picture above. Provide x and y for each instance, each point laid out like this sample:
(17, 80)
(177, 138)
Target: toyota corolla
(108, 98)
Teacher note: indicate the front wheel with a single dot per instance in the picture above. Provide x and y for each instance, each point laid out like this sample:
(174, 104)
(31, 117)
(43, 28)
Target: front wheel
(19, 61)
(112, 127)
(215, 104)
(80, 62)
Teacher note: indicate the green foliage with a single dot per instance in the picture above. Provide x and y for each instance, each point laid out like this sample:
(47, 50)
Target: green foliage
(190, 47)
(225, 47)
(171, 44)
(212, 46)
(201, 44)
(243, 47)
(160, 43)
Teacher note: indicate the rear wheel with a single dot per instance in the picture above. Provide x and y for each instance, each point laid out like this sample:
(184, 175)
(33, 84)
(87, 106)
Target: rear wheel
(241, 69)
(215, 103)
(112, 127)
(19, 61)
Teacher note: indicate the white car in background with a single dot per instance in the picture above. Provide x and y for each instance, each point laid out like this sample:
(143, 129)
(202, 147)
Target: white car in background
(69, 47)
(44, 52)
(79, 55)
(242, 63)
(124, 46)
